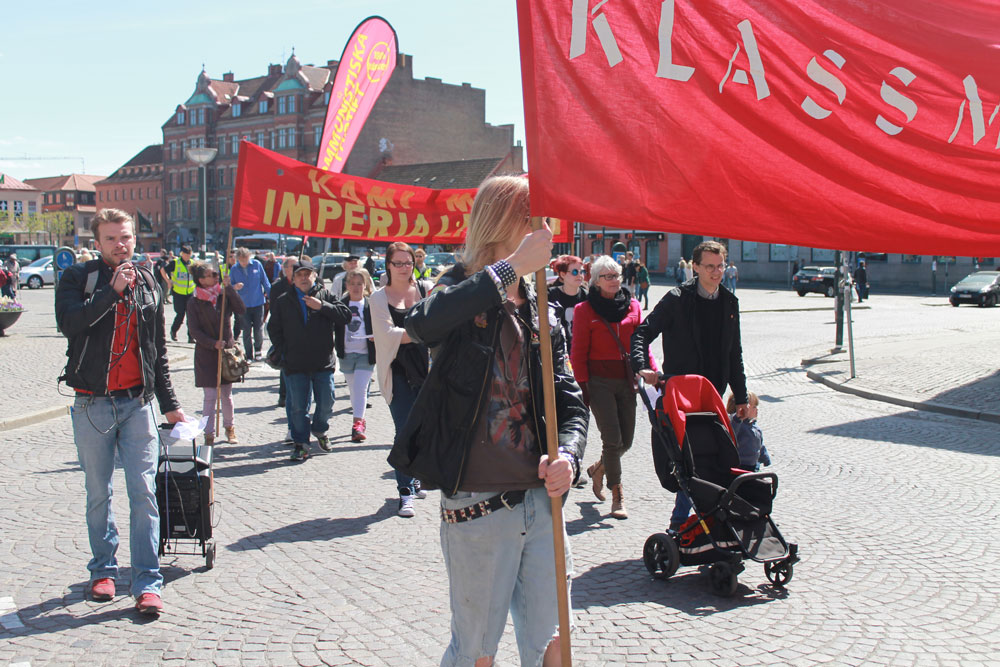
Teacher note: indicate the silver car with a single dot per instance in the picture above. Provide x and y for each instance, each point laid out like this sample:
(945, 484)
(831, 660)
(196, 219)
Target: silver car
(38, 273)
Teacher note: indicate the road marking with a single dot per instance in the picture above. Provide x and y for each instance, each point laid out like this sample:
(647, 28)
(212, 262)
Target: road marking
(8, 616)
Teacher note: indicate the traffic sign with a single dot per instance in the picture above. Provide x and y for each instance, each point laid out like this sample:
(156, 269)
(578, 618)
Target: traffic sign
(65, 258)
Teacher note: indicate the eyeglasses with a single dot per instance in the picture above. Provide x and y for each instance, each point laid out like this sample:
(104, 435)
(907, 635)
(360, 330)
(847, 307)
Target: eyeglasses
(574, 272)
(402, 265)
(612, 276)
(713, 267)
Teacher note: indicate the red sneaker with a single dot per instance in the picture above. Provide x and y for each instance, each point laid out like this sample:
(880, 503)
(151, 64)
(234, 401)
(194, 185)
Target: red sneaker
(358, 430)
(362, 427)
(149, 603)
(102, 590)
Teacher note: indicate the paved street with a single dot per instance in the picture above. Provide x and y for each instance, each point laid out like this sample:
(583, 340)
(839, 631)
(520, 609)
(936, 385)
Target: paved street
(894, 509)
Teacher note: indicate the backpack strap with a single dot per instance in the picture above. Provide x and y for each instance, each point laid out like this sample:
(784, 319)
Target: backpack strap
(91, 285)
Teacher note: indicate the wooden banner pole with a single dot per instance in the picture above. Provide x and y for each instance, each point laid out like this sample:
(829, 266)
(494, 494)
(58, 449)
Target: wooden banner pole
(222, 332)
(552, 437)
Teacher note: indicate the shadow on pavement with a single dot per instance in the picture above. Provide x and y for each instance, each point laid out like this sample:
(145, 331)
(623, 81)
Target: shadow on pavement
(316, 530)
(687, 591)
(908, 428)
(590, 517)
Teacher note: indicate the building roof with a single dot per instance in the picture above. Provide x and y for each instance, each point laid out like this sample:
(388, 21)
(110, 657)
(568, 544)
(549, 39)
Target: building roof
(8, 182)
(146, 164)
(70, 183)
(443, 175)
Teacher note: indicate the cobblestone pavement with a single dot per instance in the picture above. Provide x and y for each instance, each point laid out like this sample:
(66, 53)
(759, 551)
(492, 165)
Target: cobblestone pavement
(891, 508)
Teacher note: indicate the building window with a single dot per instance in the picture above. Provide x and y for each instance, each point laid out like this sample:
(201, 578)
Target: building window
(291, 137)
(237, 110)
(32, 208)
(180, 117)
(157, 191)
(317, 134)
(140, 193)
(173, 150)
(780, 253)
(281, 137)
(282, 105)
(18, 209)
(262, 106)
(210, 178)
(149, 193)
(270, 140)
(3, 205)
(911, 259)
(291, 104)
(260, 139)
(821, 255)
(201, 116)
(748, 251)
(234, 148)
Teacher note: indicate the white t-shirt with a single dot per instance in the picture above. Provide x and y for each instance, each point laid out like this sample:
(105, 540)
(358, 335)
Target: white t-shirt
(355, 332)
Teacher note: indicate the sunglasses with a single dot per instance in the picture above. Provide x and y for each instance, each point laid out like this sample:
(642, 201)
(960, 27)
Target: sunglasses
(574, 272)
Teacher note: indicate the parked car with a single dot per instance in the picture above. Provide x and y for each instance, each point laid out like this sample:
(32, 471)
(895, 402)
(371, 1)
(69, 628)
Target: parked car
(981, 288)
(38, 273)
(821, 279)
(332, 265)
(439, 261)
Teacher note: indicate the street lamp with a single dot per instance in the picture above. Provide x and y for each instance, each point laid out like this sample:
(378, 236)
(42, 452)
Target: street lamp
(201, 157)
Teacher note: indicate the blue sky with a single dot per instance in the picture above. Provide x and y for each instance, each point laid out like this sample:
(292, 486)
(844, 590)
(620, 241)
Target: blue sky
(97, 80)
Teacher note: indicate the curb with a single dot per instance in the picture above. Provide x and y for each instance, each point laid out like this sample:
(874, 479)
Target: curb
(903, 401)
(51, 413)
(798, 310)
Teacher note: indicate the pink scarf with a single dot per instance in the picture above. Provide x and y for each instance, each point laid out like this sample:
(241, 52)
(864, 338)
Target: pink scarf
(208, 293)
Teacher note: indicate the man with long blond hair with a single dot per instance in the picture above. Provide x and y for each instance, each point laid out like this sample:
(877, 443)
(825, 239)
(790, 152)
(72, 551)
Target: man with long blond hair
(487, 454)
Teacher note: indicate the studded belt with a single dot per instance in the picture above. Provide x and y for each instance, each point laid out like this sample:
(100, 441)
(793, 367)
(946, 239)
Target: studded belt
(508, 499)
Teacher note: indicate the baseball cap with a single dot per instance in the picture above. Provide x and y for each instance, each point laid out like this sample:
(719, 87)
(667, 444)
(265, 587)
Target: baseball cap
(353, 258)
(302, 265)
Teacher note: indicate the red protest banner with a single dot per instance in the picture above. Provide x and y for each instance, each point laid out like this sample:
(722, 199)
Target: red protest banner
(823, 123)
(277, 194)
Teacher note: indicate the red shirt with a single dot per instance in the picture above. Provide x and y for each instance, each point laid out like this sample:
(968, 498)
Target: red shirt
(125, 371)
(595, 349)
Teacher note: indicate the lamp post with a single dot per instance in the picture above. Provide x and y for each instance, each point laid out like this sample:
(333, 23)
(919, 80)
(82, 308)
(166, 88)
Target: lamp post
(201, 157)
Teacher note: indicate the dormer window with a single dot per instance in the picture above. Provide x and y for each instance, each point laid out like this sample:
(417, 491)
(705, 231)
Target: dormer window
(262, 106)
(237, 110)
(180, 118)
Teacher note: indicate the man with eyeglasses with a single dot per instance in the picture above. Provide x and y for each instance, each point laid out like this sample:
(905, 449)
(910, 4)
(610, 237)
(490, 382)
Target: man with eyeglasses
(700, 326)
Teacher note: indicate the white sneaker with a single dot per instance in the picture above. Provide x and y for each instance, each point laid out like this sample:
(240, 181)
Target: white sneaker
(417, 491)
(406, 506)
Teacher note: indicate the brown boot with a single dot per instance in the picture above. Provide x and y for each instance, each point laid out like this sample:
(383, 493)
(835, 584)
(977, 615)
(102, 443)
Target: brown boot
(596, 472)
(618, 503)
(231, 435)
(209, 439)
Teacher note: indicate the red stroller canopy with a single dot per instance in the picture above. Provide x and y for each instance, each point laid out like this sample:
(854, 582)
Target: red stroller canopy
(692, 393)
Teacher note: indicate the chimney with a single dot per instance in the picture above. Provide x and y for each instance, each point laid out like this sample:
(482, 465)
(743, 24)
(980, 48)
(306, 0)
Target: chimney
(228, 76)
(274, 70)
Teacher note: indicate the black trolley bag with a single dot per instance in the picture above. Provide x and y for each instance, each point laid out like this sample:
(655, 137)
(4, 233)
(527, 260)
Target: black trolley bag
(185, 497)
(694, 451)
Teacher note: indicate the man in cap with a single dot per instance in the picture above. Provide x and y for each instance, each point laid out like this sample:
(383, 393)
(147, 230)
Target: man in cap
(301, 328)
(337, 288)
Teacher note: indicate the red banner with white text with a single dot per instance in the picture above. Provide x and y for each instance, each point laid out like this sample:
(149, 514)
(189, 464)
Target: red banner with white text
(281, 195)
(867, 126)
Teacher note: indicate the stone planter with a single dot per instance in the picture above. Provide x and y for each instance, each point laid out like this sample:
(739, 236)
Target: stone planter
(7, 319)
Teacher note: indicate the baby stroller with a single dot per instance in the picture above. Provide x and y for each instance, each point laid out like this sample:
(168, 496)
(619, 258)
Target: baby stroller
(694, 451)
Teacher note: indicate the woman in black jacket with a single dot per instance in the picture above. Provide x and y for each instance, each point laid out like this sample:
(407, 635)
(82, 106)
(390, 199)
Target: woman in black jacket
(477, 431)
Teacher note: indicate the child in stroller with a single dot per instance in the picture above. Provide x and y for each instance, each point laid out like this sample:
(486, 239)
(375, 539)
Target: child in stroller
(694, 451)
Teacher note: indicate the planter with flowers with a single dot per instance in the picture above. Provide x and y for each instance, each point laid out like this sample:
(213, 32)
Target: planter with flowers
(10, 311)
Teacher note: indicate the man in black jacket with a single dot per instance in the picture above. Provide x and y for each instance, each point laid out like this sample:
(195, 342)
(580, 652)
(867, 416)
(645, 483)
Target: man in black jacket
(279, 287)
(301, 327)
(700, 324)
(112, 313)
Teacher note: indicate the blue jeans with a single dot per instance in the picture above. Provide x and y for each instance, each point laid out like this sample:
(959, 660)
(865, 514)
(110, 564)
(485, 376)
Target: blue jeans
(253, 326)
(131, 434)
(300, 388)
(682, 508)
(501, 562)
(403, 398)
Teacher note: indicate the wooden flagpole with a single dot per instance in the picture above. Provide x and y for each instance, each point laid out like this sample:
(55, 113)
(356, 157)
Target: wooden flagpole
(552, 437)
(222, 332)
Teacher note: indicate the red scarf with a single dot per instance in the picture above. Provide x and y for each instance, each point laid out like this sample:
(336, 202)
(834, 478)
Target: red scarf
(208, 293)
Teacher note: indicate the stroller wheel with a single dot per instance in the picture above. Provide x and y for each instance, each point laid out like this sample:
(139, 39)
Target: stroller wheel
(661, 555)
(779, 572)
(723, 579)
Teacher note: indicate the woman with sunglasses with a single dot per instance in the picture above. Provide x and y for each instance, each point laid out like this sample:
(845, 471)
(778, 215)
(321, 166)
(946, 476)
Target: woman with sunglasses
(203, 315)
(356, 348)
(602, 333)
(567, 292)
(403, 363)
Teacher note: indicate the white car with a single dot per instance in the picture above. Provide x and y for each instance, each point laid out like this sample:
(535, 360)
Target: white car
(38, 273)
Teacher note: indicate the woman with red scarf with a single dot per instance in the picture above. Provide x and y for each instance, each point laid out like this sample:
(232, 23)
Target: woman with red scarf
(204, 314)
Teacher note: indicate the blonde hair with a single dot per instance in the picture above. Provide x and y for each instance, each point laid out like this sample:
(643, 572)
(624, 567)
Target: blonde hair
(114, 215)
(360, 275)
(752, 401)
(499, 211)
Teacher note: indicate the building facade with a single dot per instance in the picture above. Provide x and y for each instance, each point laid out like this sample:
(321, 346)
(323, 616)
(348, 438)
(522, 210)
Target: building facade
(72, 194)
(136, 187)
(19, 202)
(413, 121)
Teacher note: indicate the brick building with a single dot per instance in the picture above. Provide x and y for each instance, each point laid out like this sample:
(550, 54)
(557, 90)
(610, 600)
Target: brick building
(136, 187)
(414, 121)
(74, 194)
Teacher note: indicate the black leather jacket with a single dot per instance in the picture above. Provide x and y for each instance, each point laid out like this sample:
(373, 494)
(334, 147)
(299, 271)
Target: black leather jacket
(674, 319)
(89, 324)
(461, 325)
(306, 344)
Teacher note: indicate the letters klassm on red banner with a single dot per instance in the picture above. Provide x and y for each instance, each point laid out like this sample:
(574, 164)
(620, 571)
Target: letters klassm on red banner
(823, 123)
(277, 194)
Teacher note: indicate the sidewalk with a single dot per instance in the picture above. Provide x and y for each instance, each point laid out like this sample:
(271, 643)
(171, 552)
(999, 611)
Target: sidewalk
(959, 380)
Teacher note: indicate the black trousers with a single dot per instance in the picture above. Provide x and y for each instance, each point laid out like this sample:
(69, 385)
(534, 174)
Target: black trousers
(180, 309)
